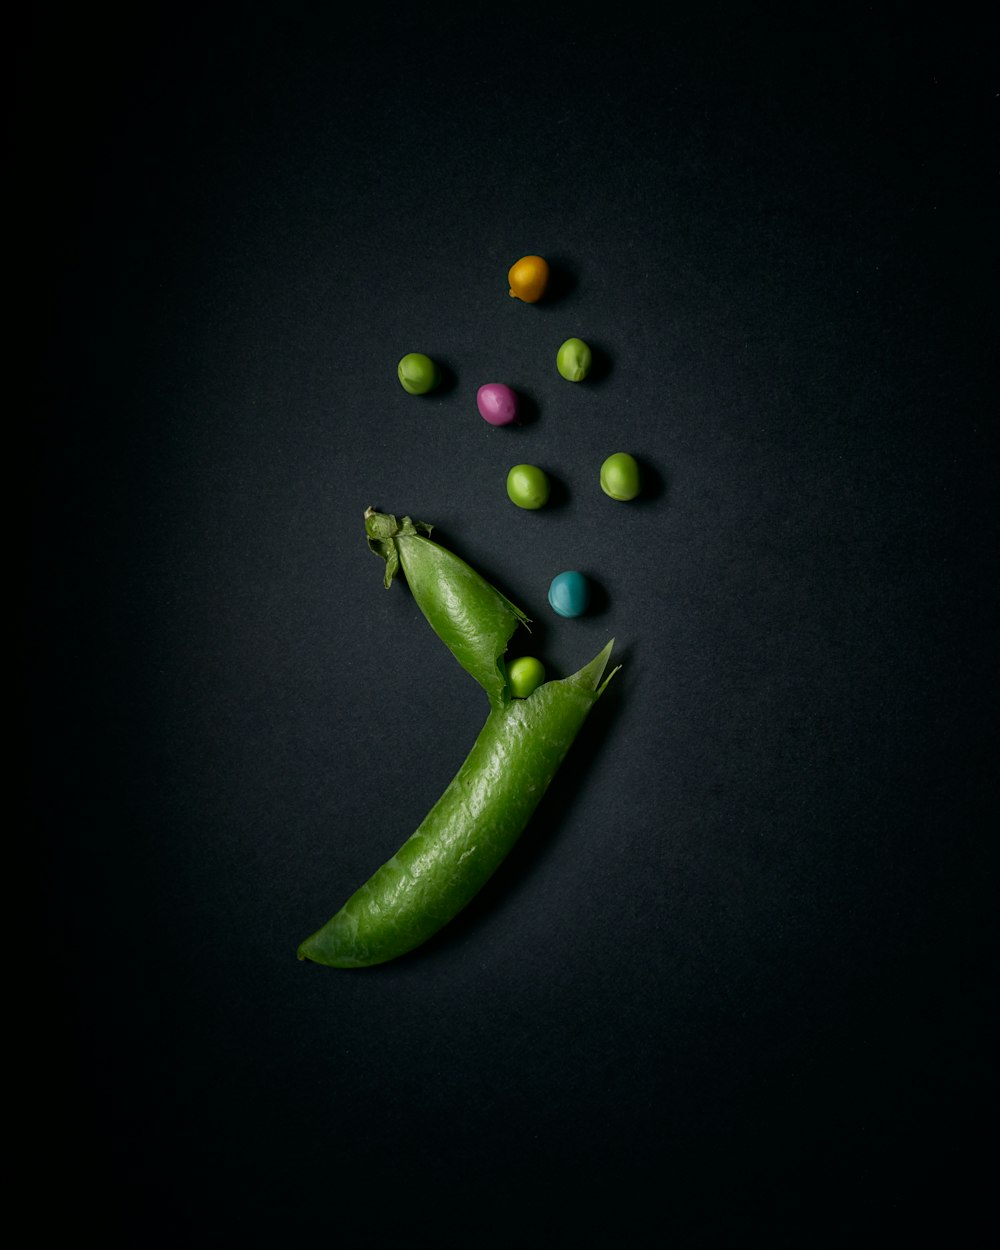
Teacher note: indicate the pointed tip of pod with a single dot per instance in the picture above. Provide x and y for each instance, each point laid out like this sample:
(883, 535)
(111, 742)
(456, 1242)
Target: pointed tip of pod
(603, 657)
(604, 684)
(315, 951)
(606, 653)
(590, 675)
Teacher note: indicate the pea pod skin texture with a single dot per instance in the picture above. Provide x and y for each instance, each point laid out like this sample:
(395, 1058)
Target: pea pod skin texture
(472, 619)
(469, 830)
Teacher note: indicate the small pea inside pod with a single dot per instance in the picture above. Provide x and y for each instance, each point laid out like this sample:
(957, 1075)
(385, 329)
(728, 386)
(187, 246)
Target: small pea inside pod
(524, 676)
(573, 360)
(417, 373)
(528, 279)
(620, 476)
(527, 486)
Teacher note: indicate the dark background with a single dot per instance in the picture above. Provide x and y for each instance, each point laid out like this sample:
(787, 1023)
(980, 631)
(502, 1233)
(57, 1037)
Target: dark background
(735, 976)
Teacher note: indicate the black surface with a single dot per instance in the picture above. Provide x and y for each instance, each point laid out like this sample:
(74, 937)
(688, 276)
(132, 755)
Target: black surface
(735, 977)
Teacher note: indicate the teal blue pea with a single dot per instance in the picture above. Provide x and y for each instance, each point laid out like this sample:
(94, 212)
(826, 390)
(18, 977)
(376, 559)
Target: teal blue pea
(569, 594)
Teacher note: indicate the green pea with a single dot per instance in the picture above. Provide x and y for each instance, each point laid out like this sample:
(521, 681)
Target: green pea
(527, 486)
(620, 476)
(525, 675)
(481, 814)
(418, 374)
(573, 360)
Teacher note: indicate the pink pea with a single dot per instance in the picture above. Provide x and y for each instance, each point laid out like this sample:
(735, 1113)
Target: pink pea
(497, 403)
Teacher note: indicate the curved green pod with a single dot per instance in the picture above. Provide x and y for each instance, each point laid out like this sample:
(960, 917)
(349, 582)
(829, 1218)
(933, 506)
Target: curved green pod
(468, 832)
(483, 811)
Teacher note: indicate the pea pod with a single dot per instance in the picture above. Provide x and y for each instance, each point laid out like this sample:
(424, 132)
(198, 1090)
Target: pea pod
(472, 619)
(481, 814)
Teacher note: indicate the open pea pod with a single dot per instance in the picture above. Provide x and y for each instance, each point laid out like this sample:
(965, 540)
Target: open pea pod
(481, 814)
(473, 619)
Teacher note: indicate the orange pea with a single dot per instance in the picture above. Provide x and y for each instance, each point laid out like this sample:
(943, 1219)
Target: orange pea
(528, 279)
